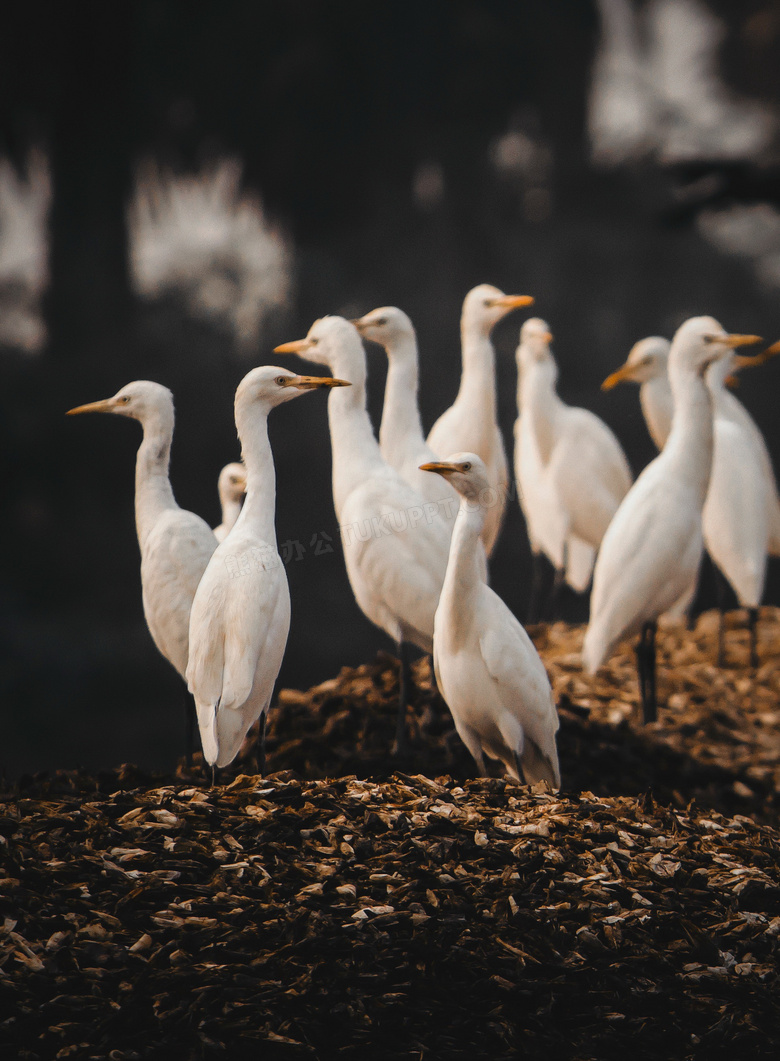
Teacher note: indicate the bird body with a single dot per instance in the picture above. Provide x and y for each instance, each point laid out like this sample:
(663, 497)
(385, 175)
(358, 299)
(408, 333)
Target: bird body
(231, 487)
(175, 544)
(742, 479)
(487, 668)
(650, 554)
(401, 440)
(571, 471)
(471, 422)
(241, 612)
(395, 549)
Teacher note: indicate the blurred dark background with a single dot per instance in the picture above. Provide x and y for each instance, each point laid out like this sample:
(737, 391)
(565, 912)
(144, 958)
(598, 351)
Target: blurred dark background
(618, 160)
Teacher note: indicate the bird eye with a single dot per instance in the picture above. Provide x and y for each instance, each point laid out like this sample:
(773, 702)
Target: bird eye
(712, 338)
(381, 322)
(282, 381)
(466, 466)
(125, 399)
(313, 341)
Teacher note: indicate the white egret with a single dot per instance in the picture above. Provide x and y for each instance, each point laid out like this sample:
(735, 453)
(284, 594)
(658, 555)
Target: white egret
(176, 545)
(471, 421)
(571, 471)
(401, 438)
(395, 549)
(742, 479)
(487, 668)
(652, 548)
(241, 612)
(646, 365)
(231, 487)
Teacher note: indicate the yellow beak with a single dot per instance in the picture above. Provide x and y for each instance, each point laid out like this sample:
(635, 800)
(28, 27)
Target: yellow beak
(512, 301)
(739, 340)
(742, 361)
(104, 406)
(442, 467)
(314, 382)
(625, 372)
(297, 346)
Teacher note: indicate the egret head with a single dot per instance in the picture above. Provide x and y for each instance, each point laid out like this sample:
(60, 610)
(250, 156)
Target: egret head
(231, 484)
(138, 400)
(485, 305)
(534, 346)
(269, 386)
(326, 339)
(467, 473)
(387, 326)
(701, 341)
(646, 360)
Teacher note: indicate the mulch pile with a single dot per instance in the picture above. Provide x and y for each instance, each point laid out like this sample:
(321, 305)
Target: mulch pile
(352, 905)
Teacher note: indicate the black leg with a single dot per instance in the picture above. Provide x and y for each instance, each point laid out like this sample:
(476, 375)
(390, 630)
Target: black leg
(537, 587)
(652, 711)
(261, 763)
(645, 660)
(753, 626)
(557, 586)
(404, 683)
(213, 775)
(721, 590)
(189, 725)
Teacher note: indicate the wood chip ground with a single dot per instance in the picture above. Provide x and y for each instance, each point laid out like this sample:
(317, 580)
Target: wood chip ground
(352, 905)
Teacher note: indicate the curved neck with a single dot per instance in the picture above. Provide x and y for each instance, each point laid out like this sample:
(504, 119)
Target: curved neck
(538, 399)
(153, 492)
(355, 449)
(478, 375)
(401, 427)
(689, 446)
(464, 570)
(655, 397)
(259, 509)
(230, 513)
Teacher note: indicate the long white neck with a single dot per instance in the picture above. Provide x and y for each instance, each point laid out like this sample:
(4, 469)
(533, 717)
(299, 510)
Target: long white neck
(478, 373)
(356, 452)
(465, 570)
(401, 429)
(153, 492)
(259, 509)
(538, 399)
(230, 512)
(688, 449)
(655, 397)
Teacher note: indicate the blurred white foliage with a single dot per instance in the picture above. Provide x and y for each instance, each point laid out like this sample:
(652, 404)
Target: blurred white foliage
(656, 87)
(24, 273)
(201, 236)
(751, 231)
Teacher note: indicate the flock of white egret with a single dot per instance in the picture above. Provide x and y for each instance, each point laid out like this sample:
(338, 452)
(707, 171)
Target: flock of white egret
(217, 602)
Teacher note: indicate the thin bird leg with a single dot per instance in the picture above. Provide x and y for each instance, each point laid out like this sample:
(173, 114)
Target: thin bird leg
(520, 772)
(645, 660)
(721, 587)
(641, 669)
(261, 763)
(652, 704)
(535, 595)
(404, 684)
(753, 627)
(558, 581)
(189, 725)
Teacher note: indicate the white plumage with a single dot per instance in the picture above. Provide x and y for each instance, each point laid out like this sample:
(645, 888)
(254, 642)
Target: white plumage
(241, 612)
(176, 545)
(470, 424)
(487, 668)
(651, 552)
(401, 439)
(571, 471)
(231, 487)
(395, 549)
(742, 480)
